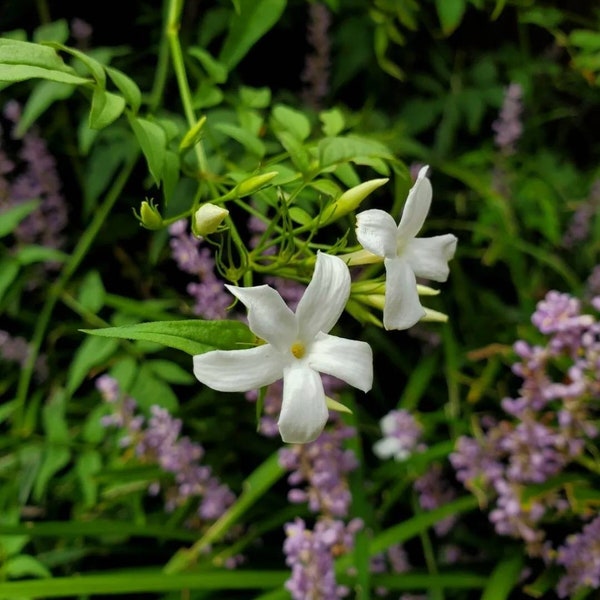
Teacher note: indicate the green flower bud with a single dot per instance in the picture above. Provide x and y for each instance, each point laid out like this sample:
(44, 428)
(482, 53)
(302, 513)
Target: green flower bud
(253, 184)
(208, 218)
(350, 200)
(149, 216)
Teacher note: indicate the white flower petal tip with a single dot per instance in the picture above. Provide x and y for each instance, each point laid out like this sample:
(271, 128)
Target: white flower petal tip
(297, 348)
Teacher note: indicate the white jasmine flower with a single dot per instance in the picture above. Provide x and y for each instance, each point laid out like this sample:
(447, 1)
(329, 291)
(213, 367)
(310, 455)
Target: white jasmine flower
(298, 348)
(406, 256)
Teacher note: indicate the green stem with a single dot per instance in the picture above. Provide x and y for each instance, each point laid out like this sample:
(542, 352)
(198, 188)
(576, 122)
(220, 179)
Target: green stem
(162, 68)
(55, 291)
(173, 25)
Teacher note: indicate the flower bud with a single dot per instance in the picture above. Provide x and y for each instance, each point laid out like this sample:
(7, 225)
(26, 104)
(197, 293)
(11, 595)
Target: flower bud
(208, 218)
(149, 216)
(350, 200)
(253, 184)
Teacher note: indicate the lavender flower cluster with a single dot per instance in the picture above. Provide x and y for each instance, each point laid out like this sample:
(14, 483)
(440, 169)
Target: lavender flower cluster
(16, 349)
(546, 430)
(321, 467)
(508, 127)
(28, 172)
(209, 293)
(158, 441)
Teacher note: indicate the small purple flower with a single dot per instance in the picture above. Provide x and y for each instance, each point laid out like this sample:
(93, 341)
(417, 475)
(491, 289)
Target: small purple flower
(159, 441)
(508, 127)
(580, 556)
(323, 466)
(29, 172)
(434, 491)
(310, 554)
(211, 299)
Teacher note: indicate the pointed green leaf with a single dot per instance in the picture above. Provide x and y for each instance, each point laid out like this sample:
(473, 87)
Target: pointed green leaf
(127, 87)
(10, 218)
(253, 19)
(106, 108)
(252, 143)
(41, 98)
(94, 67)
(153, 142)
(15, 73)
(450, 14)
(191, 336)
(289, 119)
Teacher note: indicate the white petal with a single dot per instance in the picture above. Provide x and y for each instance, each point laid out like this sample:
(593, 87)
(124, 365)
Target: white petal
(429, 257)
(416, 207)
(386, 447)
(303, 409)
(269, 317)
(239, 370)
(402, 308)
(377, 232)
(348, 360)
(325, 297)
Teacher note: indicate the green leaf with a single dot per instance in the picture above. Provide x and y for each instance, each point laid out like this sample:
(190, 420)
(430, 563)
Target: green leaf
(15, 73)
(88, 463)
(106, 108)
(215, 70)
(340, 149)
(92, 352)
(285, 118)
(153, 142)
(140, 581)
(20, 53)
(298, 153)
(34, 254)
(253, 19)
(127, 87)
(94, 67)
(585, 39)
(191, 336)
(91, 292)
(23, 565)
(170, 371)
(9, 219)
(149, 390)
(252, 143)
(44, 94)
(9, 269)
(255, 97)
(333, 121)
(56, 31)
(503, 578)
(450, 14)
(299, 215)
(171, 172)
(53, 460)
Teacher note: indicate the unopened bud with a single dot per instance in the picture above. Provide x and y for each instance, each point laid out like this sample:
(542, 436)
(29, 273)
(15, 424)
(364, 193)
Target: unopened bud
(149, 216)
(350, 200)
(253, 184)
(208, 218)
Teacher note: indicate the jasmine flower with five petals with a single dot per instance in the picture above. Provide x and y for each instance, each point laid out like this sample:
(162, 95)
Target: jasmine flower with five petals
(406, 257)
(298, 348)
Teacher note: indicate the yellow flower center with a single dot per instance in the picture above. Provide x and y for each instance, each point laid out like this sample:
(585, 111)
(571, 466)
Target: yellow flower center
(298, 349)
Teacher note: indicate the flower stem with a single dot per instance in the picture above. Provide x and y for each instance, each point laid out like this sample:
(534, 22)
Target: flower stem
(172, 32)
